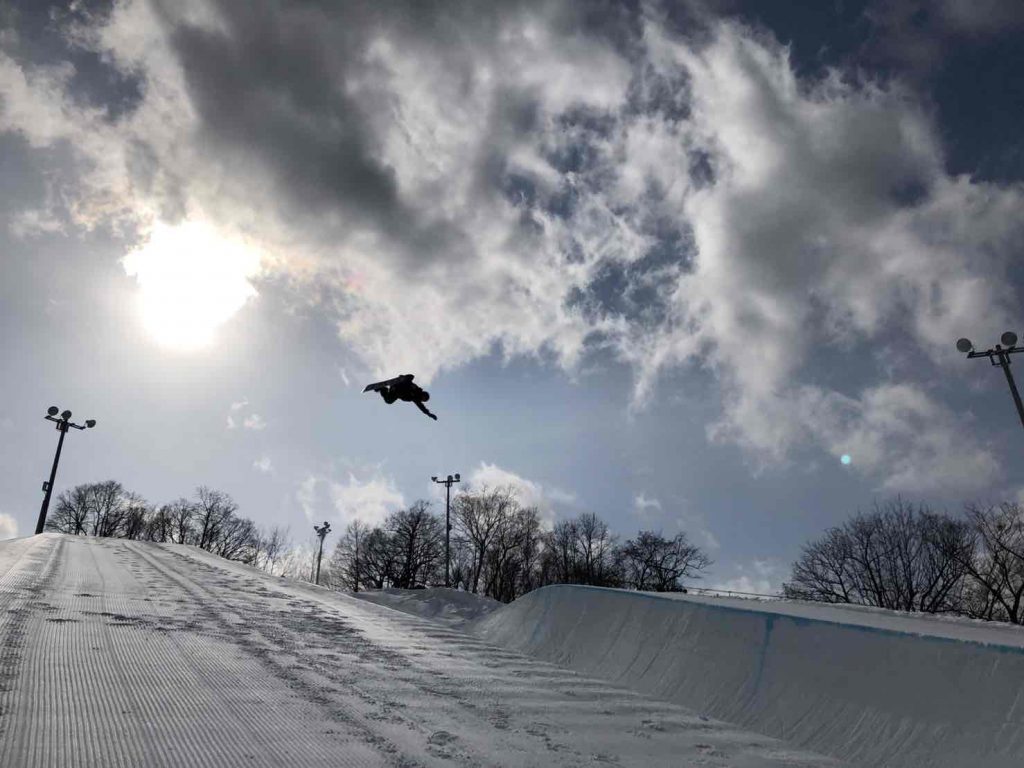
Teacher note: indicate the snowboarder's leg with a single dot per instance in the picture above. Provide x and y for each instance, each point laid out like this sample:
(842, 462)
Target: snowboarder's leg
(388, 395)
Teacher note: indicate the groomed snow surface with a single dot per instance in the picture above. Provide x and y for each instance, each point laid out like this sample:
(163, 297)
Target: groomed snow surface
(119, 654)
(870, 687)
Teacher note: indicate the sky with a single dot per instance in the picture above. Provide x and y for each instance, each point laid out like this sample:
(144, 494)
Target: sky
(667, 262)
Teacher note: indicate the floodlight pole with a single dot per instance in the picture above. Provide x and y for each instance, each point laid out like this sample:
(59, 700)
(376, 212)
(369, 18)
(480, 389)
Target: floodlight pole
(321, 531)
(1000, 355)
(447, 483)
(1004, 361)
(63, 424)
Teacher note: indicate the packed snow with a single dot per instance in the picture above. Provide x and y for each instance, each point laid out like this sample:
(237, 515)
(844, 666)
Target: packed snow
(450, 606)
(124, 654)
(874, 688)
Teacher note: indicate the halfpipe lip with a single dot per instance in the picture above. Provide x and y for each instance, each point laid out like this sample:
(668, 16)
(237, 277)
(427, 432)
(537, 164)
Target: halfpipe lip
(958, 629)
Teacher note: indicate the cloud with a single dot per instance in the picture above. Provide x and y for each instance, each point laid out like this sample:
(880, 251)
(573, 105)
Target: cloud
(255, 422)
(251, 421)
(917, 33)
(233, 411)
(367, 498)
(677, 517)
(901, 434)
(761, 577)
(830, 222)
(263, 464)
(368, 501)
(643, 505)
(8, 526)
(529, 493)
(556, 180)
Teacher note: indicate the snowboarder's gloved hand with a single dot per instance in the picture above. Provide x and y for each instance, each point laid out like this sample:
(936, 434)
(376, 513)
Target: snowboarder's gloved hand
(432, 416)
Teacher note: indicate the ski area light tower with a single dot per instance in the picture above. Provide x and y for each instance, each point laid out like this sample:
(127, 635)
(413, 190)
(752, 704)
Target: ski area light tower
(1000, 356)
(63, 425)
(321, 531)
(447, 483)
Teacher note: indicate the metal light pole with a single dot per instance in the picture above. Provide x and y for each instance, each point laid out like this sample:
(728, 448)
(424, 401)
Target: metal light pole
(63, 424)
(1000, 356)
(447, 483)
(321, 531)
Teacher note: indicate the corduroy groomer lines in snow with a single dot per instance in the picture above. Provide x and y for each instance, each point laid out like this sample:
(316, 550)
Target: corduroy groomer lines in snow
(126, 654)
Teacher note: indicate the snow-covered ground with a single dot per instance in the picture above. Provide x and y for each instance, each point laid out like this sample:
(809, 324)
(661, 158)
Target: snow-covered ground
(126, 654)
(875, 688)
(448, 606)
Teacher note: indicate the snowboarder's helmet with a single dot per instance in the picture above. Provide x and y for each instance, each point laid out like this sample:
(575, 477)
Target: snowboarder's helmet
(424, 396)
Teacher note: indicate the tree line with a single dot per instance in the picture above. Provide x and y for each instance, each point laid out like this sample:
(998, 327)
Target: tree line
(501, 549)
(908, 557)
(899, 555)
(208, 520)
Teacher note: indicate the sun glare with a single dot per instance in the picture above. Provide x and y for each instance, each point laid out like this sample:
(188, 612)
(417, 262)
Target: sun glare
(192, 279)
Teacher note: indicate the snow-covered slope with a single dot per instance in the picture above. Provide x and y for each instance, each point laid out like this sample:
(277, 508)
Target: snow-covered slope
(118, 654)
(874, 688)
(449, 606)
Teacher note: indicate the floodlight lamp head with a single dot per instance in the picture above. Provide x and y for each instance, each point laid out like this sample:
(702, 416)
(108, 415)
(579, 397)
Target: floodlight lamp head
(66, 415)
(964, 345)
(457, 477)
(1009, 339)
(434, 478)
(52, 410)
(449, 478)
(90, 423)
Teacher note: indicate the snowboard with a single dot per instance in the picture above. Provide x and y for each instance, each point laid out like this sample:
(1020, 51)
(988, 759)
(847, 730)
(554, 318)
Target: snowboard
(379, 385)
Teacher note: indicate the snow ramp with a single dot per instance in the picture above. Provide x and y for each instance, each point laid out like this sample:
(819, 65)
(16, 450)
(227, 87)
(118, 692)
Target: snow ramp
(128, 654)
(871, 688)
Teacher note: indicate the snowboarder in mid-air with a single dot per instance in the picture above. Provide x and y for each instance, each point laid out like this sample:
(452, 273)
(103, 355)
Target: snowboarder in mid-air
(402, 388)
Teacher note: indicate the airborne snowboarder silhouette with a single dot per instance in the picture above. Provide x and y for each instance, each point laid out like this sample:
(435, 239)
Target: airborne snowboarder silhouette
(402, 388)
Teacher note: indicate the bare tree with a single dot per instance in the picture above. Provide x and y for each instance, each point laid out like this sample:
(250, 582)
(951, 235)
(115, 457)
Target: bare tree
(181, 514)
(596, 548)
(478, 518)
(825, 571)
(135, 517)
(652, 562)
(96, 509)
(899, 556)
(561, 559)
(213, 509)
(272, 545)
(236, 538)
(418, 539)
(511, 554)
(72, 511)
(377, 560)
(997, 565)
(108, 508)
(158, 527)
(344, 562)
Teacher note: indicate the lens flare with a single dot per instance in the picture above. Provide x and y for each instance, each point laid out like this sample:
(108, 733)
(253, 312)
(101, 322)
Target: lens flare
(846, 459)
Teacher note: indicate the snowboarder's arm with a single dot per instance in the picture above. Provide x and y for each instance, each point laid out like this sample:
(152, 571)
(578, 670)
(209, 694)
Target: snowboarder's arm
(423, 408)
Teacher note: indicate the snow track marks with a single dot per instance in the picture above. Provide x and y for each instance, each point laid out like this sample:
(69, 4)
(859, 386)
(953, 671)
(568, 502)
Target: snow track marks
(117, 653)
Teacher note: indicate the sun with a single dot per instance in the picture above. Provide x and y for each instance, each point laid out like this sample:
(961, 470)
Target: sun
(192, 279)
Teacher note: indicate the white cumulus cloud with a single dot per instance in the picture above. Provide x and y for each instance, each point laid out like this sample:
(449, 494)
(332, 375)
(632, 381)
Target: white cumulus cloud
(8, 526)
(529, 492)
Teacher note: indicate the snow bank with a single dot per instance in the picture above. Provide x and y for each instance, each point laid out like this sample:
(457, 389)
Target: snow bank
(869, 688)
(450, 606)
